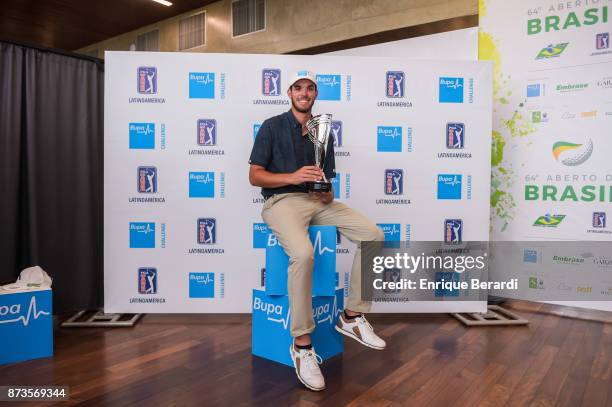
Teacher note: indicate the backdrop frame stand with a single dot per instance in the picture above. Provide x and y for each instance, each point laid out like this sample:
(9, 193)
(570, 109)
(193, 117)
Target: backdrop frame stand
(101, 320)
(495, 316)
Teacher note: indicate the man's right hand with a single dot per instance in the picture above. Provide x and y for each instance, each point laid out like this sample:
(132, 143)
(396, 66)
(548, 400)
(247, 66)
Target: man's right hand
(307, 173)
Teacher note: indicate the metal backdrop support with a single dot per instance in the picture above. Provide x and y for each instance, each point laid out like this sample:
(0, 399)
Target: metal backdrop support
(101, 320)
(495, 316)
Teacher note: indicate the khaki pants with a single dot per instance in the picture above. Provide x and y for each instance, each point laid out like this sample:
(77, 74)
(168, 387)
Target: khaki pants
(288, 216)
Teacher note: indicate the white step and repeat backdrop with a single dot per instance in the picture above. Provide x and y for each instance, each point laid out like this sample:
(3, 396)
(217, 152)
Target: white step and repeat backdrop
(552, 175)
(183, 231)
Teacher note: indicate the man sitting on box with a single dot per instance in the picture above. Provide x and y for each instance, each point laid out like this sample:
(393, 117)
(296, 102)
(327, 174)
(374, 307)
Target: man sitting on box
(281, 163)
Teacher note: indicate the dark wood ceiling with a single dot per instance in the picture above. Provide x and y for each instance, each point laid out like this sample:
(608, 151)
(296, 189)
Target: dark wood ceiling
(73, 24)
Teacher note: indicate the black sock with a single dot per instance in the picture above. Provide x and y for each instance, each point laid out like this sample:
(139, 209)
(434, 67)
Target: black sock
(309, 346)
(346, 316)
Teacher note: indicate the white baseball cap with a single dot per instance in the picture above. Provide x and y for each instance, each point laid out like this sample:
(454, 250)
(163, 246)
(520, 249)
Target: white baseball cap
(32, 278)
(303, 75)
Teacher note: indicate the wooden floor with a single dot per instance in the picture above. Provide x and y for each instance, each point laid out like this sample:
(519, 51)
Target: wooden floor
(431, 360)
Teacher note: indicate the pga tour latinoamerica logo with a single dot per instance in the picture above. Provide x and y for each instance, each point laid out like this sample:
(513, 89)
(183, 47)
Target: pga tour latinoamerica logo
(450, 90)
(453, 231)
(599, 220)
(602, 41)
(572, 154)
(207, 132)
(394, 183)
(147, 280)
(271, 82)
(147, 80)
(395, 84)
(336, 131)
(142, 135)
(207, 231)
(147, 180)
(455, 135)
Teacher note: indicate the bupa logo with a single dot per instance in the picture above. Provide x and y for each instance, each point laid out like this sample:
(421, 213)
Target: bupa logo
(451, 90)
(319, 245)
(453, 231)
(389, 139)
(207, 231)
(201, 85)
(147, 280)
(395, 84)
(260, 235)
(336, 130)
(329, 87)
(256, 128)
(599, 220)
(602, 41)
(455, 135)
(142, 235)
(394, 184)
(207, 132)
(142, 135)
(201, 184)
(535, 90)
(202, 285)
(530, 256)
(147, 180)
(147, 80)
(14, 313)
(449, 186)
(392, 233)
(271, 82)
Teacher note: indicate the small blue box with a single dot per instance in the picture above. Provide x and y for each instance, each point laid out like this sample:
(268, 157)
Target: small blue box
(26, 325)
(323, 240)
(271, 338)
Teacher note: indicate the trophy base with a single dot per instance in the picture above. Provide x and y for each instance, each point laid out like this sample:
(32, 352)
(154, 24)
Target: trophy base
(318, 186)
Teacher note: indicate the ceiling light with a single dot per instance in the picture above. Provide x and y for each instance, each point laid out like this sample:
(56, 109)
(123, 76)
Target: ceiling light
(164, 2)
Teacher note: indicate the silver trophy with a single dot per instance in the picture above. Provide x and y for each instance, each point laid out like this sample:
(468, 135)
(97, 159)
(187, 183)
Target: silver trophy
(318, 132)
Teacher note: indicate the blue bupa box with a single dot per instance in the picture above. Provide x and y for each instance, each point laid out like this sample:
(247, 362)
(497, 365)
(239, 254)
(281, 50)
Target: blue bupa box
(26, 325)
(271, 338)
(323, 239)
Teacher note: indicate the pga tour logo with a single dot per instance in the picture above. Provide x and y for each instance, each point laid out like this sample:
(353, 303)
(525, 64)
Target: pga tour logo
(602, 41)
(451, 90)
(147, 180)
(336, 130)
(455, 135)
(147, 280)
(395, 84)
(394, 183)
(271, 82)
(453, 231)
(599, 220)
(147, 80)
(207, 231)
(207, 132)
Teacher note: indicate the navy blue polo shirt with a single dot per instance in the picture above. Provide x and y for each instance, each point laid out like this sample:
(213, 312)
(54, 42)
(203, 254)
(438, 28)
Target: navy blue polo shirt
(280, 148)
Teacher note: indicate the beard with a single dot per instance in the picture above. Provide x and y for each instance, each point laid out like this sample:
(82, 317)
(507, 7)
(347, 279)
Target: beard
(302, 110)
